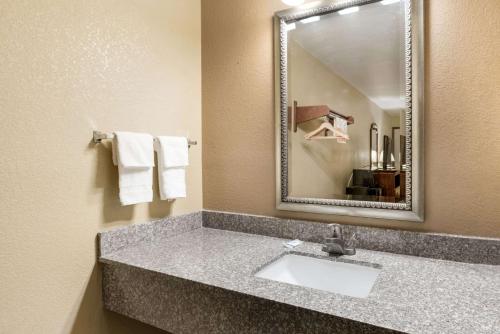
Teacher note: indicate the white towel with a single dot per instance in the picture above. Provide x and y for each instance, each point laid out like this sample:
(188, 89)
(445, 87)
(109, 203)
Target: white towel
(133, 153)
(341, 125)
(173, 158)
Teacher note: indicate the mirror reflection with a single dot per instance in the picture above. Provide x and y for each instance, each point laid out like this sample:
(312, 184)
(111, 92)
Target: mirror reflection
(346, 104)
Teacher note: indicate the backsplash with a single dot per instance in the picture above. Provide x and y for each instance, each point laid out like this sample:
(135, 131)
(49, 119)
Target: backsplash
(113, 240)
(431, 245)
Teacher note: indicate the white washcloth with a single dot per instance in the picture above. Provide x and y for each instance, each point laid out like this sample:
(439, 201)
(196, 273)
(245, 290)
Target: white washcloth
(133, 153)
(173, 158)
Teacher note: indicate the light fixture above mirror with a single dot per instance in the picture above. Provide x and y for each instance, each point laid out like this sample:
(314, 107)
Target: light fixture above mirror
(293, 2)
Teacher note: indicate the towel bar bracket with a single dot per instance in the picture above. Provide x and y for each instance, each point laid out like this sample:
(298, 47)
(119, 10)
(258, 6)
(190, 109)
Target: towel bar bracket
(99, 136)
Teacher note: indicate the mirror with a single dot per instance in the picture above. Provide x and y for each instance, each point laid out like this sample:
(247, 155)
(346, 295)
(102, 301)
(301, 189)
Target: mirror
(348, 108)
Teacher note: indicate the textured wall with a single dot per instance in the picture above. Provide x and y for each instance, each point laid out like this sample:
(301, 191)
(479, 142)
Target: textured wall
(462, 122)
(68, 67)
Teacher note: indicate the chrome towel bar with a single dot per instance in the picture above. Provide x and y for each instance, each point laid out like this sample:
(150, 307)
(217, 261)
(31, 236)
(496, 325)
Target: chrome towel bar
(99, 136)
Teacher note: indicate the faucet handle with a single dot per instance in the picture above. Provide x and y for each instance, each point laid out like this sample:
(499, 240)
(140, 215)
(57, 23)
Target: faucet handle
(351, 240)
(350, 250)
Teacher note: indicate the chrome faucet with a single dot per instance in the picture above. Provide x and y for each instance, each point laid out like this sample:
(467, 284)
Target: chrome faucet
(336, 245)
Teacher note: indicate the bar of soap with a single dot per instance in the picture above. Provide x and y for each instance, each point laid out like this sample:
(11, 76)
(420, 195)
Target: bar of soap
(292, 243)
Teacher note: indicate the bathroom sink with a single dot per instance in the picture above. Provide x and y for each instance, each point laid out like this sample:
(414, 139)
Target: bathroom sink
(334, 276)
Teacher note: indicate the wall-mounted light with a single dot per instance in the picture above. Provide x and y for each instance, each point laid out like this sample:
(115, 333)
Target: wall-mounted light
(290, 26)
(310, 19)
(388, 2)
(374, 160)
(293, 2)
(349, 10)
(309, 5)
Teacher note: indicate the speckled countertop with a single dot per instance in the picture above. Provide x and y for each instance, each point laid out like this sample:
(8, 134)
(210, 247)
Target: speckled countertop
(411, 294)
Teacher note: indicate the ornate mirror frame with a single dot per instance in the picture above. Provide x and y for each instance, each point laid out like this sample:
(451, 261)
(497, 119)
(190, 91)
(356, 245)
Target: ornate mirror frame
(413, 208)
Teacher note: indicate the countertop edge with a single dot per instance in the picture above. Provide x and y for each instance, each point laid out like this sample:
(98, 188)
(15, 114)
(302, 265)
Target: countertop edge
(377, 328)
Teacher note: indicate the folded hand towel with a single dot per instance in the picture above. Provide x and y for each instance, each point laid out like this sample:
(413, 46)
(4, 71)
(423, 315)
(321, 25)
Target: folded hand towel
(134, 155)
(172, 183)
(133, 149)
(176, 151)
(172, 161)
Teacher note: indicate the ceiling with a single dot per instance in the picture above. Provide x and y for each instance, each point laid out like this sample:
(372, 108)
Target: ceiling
(365, 48)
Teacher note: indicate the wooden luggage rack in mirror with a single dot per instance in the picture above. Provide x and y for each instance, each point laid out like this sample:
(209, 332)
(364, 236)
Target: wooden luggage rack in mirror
(306, 113)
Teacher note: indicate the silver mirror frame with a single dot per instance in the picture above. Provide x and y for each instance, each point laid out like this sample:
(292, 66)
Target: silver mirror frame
(413, 208)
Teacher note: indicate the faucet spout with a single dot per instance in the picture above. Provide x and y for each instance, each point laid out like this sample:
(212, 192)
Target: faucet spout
(337, 245)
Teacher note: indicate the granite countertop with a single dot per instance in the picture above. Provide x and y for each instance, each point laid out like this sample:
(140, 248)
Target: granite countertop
(411, 294)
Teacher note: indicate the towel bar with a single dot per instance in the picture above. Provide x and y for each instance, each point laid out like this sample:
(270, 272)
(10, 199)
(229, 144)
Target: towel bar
(99, 136)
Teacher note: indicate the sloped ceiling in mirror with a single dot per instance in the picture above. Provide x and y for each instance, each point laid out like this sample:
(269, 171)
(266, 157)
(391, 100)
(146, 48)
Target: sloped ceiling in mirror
(369, 41)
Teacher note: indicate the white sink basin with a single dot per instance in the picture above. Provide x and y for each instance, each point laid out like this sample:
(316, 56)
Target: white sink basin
(333, 276)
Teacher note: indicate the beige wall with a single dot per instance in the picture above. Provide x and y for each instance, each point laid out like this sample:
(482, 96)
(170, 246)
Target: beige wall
(462, 122)
(322, 168)
(68, 67)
